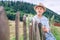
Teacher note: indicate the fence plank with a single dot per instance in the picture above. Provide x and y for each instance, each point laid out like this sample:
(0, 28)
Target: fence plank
(4, 29)
(36, 34)
(24, 28)
(35, 31)
(30, 32)
(17, 25)
(42, 34)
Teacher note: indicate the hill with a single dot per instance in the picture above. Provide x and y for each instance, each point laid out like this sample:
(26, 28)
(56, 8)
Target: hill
(12, 7)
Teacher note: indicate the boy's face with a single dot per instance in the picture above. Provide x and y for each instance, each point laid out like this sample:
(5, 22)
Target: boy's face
(39, 10)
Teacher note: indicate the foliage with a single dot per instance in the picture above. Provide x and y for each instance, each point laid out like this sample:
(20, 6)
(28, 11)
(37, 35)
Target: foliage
(12, 7)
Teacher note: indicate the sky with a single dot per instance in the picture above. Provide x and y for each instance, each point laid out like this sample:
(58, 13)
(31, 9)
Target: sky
(51, 4)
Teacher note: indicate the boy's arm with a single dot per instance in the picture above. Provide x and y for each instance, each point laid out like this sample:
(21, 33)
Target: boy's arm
(46, 27)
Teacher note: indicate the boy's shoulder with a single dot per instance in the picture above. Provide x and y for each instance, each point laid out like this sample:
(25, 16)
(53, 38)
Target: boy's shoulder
(45, 18)
(42, 17)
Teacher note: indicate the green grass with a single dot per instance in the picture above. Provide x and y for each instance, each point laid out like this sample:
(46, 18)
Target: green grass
(56, 32)
(54, 29)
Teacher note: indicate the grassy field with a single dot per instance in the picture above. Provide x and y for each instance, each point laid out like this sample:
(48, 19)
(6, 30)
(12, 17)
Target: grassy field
(12, 30)
(55, 30)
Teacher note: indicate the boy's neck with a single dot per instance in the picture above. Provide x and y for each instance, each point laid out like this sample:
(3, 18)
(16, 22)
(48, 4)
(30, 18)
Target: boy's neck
(39, 16)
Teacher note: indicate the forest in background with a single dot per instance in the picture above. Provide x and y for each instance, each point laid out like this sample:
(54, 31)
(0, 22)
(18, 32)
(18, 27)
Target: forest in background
(11, 7)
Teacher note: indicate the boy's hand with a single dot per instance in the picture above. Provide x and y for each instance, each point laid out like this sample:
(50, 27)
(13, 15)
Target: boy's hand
(45, 29)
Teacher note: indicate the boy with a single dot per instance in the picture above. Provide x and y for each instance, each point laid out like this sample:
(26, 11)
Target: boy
(40, 9)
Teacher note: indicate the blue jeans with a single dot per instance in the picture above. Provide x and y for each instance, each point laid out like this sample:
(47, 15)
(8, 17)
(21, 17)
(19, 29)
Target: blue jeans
(49, 36)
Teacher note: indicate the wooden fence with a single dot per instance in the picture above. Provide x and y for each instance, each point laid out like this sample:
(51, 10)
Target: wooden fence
(35, 30)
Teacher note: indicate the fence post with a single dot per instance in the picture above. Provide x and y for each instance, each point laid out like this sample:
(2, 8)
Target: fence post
(30, 31)
(42, 34)
(36, 31)
(4, 28)
(33, 31)
(24, 28)
(17, 19)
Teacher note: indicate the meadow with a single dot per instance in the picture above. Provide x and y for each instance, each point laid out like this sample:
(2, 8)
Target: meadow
(54, 29)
